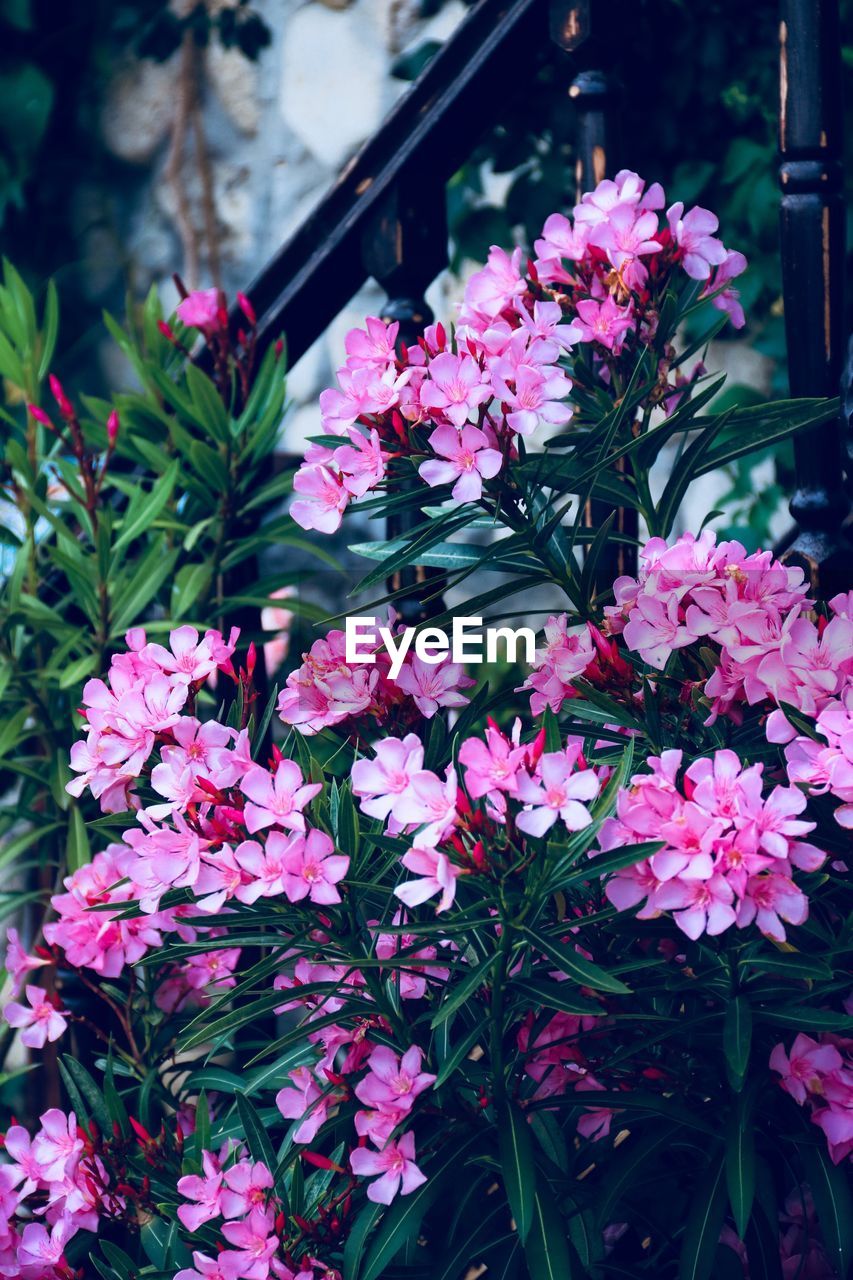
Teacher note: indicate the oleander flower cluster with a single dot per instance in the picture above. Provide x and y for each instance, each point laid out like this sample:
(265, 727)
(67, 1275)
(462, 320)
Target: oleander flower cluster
(326, 691)
(428, 974)
(730, 846)
(457, 405)
(818, 1074)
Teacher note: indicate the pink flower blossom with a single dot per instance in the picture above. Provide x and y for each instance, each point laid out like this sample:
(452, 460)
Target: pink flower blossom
(436, 875)
(557, 790)
(604, 322)
(39, 1023)
(312, 869)
(57, 1145)
(455, 387)
(468, 461)
(255, 1242)
(434, 685)
(379, 783)
(323, 499)
(305, 1101)
(539, 395)
(200, 310)
(803, 1067)
(393, 1083)
(40, 1249)
(206, 1192)
(18, 963)
(277, 799)
(693, 232)
(393, 1167)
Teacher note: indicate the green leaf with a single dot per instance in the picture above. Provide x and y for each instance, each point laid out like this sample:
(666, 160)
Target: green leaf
(791, 965)
(704, 1223)
(357, 1239)
(737, 1039)
(803, 1018)
(546, 1249)
(576, 966)
(257, 1137)
(830, 1188)
(740, 1162)
(77, 852)
(517, 1163)
(88, 1091)
(466, 988)
(552, 995)
(142, 513)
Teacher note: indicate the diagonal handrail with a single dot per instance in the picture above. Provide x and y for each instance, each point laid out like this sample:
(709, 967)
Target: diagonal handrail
(429, 133)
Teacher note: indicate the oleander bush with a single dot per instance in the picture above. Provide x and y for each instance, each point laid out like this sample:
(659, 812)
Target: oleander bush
(396, 974)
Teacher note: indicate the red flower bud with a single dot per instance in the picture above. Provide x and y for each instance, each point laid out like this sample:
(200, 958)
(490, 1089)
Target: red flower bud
(65, 407)
(112, 427)
(247, 309)
(40, 416)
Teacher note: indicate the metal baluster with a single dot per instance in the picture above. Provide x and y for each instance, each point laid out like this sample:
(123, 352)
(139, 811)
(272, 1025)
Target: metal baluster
(812, 243)
(404, 248)
(595, 93)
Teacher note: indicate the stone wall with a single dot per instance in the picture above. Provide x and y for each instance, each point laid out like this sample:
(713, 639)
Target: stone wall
(276, 133)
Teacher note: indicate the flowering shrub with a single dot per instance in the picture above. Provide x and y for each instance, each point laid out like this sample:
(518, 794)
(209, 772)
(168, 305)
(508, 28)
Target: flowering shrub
(428, 986)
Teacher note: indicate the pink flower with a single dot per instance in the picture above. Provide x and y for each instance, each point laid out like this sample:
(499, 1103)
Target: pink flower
(395, 1167)
(698, 906)
(56, 1146)
(200, 310)
(278, 798)
(226, 1266)
(372, 346)
(304, 1100)
(604, 322)
(469, 461)
(188, 658)
(456, 386)
(556, 791)
(205, 1190)
(626, 235)
(770, 899)
(693, 232)
(41, 1022)
(254, 1240)
(595, 1122)
(655, 629)
(380, 782)
(803, 1067)
(17, 962)
(429, 804)
(312, 868)
(362, 463)
(40, 1250)
(393, 1083)
(434, 685)
(323, 499)
(560, 240)
(539, 395)
(247, 1186)
(490, 291)
(492, 765)
(437, 874)
(27, 1169)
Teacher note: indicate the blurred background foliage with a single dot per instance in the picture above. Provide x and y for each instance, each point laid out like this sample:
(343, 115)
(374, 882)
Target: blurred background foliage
(699, 93)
